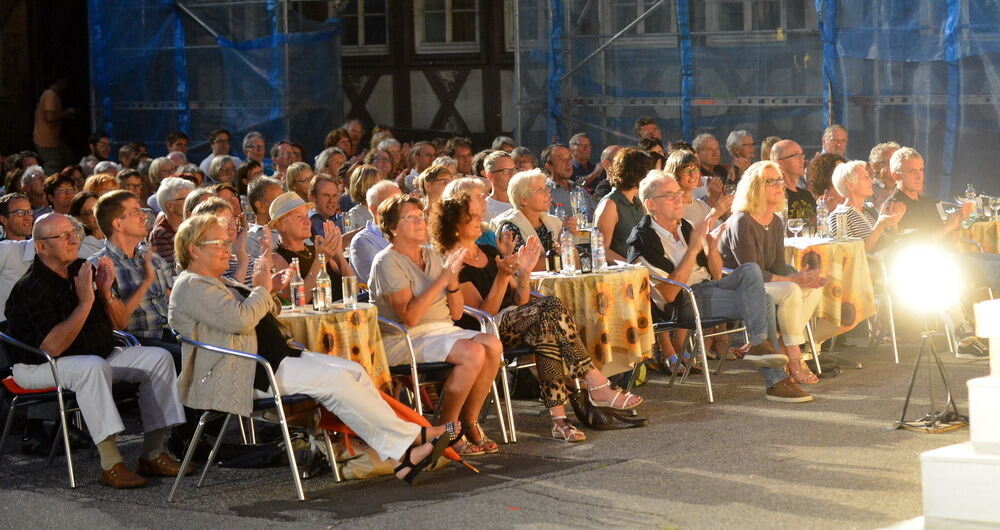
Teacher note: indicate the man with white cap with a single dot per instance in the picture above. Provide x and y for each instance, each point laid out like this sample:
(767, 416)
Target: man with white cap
(290, 218)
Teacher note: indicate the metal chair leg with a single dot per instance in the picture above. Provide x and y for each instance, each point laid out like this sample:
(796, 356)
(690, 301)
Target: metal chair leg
(510, 406)
(243, 432)
(332, 456)
(7, 424)
(253, 431)
(65, 435)
(813, 348)
(291, 454)
(214, 451)
(500, 415)
(189, 453)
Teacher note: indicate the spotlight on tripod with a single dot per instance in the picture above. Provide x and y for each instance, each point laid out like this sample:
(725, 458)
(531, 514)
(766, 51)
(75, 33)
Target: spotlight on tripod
(928, 280)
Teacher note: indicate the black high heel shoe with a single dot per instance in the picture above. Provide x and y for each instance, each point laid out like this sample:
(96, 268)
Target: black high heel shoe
(440, 444)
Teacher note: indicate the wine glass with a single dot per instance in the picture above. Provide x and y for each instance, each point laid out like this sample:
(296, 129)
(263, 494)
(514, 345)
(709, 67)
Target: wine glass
(995, 206)
(729, 189)
(559, 212)
(795, 225)
(346, 220)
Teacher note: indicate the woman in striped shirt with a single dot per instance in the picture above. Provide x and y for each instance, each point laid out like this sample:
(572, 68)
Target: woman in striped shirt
(852, 181)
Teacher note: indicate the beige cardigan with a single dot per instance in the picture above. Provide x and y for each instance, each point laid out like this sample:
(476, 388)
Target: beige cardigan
(207, 310)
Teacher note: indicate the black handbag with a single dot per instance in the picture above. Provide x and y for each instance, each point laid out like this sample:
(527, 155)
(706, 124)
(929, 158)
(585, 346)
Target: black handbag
(603, 418)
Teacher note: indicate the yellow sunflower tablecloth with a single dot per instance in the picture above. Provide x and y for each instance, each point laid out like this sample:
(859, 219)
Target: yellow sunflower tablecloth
(351, 334)
(611, 310)
(848, 297)
(986, 233)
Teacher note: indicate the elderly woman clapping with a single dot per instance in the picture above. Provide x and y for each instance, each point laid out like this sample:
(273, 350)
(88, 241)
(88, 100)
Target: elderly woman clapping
(852, 181)
(220, 312)
(755, 234)
(530, 197)
(414, 285)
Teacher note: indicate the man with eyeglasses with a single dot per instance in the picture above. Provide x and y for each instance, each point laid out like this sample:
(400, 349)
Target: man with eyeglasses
(55, 307)
(835, 140)
(792, 161)
(16, 217)
(282, 155)
(421, 155)
(673, 248)
(580, 147)
(253, 147)
(99, 144)
(218, 141)
(499, 170)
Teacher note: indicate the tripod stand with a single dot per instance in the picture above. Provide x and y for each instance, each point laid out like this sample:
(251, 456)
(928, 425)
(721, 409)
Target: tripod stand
(934, 422)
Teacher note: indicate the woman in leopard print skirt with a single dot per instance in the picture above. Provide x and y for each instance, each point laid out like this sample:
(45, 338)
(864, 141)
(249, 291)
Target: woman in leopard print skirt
(497, 283)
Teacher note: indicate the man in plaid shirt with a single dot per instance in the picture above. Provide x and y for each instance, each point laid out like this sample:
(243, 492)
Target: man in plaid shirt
(142, 278)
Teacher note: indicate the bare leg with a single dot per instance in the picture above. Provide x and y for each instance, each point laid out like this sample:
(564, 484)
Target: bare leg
(595, 378)
(467, 357)
(798, 370)
(492, 349)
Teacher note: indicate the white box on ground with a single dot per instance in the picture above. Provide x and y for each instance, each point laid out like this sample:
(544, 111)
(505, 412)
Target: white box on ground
(984, 414)
(959, 483)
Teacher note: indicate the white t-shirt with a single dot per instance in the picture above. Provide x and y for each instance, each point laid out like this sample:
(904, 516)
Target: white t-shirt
(495, 208)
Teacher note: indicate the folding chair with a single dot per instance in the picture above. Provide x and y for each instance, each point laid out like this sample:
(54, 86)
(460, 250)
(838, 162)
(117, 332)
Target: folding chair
(414, 369)
(24, 398)
(883, 298)
(274, 403)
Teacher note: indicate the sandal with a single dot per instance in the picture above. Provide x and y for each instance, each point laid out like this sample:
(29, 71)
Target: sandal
(567, 432)
(486, 445)
(440, 444)
(801, 374)
(611, 404)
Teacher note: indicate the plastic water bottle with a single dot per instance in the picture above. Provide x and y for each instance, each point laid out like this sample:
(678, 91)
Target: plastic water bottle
(598, 261)
(297, 286)
(324, 292)
(821, 218)
(970, 192)
(566, 248)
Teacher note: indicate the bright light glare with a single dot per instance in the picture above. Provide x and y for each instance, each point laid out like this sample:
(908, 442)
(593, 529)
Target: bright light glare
(926, 278)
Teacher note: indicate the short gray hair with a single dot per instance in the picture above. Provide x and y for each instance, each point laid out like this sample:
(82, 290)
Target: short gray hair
(106, 166)
(847, 172)
(156, 166)
(258, 187)
(835, 127)
(875, 155)
(31, 173)
(735, 139)
(170, 188)
(323, 158)
(520, 185)
(388, 142)
(493, 158)
(195, 198)
(901, 154)
(651, 184)
(446, 161)
(575, 139)
(377, 190)
(701, 139)
(250, 137)
(501, 141)
(462, 185)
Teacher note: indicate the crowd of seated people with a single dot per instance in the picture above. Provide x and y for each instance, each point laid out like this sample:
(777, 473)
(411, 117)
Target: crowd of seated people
(151, 245)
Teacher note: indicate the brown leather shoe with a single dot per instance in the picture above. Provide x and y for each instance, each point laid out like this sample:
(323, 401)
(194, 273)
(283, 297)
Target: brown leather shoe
(121, 477)
(163, 465)
(787, 391)
(764, 355)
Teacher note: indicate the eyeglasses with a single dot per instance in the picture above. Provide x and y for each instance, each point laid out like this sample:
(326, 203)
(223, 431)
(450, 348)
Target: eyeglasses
(414, 218)
(64, 191)
(670, 196)
(256, 148)
(774, 182)
(21, 213)
(137, 211)
(544, 190)
(221, 141)
(221, 244)
(69, 237)
(508, 171)
(799, 154)
(689, 171)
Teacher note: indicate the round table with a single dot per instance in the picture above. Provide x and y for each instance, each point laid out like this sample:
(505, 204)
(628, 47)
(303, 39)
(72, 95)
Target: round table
(611, 310)
(848, 297)
(986, 233)
(349, 333)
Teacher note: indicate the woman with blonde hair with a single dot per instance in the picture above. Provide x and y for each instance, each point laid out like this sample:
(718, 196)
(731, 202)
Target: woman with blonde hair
(756, 234)
(363, 177)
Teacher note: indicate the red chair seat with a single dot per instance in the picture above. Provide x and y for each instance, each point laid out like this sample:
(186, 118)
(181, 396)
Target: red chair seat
(16, 389)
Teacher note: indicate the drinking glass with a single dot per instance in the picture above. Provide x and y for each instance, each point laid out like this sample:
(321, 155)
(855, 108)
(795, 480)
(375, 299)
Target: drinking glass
(346, 220)
(795, 226)
(995, 205)
(559, 212)
(150, 218)
(729, 189)
(350, 287)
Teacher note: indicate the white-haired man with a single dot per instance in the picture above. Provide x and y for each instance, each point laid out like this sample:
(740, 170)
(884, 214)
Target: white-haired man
(792, 161)
(707, 148)
(835, 140)
(741, 149)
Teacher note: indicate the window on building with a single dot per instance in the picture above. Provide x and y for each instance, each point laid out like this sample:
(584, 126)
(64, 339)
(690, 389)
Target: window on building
(363, 23)
(748, 15)
(446, 26)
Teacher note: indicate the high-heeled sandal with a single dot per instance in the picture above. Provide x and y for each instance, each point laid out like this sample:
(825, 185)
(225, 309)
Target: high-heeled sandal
(440, 444)
(611, 404)
(485, 444)
(801, 374)
(567, 432)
